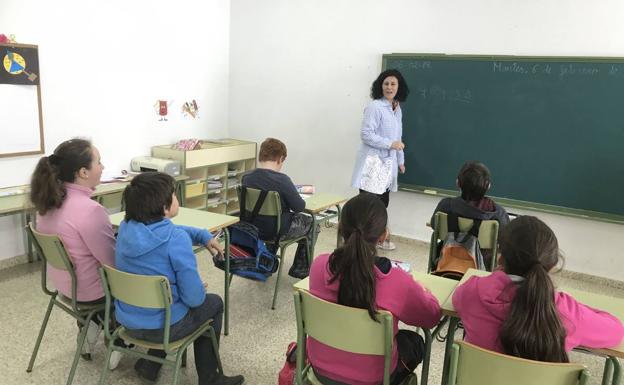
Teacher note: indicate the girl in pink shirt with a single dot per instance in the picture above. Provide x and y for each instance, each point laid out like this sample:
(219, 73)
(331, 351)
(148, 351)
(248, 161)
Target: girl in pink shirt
(354, 276)
(60, 190)
(516, 309)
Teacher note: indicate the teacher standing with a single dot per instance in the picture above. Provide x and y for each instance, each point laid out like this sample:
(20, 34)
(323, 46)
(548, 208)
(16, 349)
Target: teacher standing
(382, 147)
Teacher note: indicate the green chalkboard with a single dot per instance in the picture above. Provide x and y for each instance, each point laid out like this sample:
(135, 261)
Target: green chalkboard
(551, 129)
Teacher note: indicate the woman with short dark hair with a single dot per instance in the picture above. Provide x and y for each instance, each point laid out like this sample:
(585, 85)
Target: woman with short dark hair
(382, 145)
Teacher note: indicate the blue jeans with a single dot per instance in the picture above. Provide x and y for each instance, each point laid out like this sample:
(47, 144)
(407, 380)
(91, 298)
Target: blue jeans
(205, 357)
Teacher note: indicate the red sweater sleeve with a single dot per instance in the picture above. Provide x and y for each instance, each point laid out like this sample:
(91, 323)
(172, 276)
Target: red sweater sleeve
(586, 326)
(413, 304)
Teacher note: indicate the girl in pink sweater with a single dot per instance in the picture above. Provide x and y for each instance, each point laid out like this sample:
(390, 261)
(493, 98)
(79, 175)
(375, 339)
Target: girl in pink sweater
(60, 189)
(354, 276)
(516, 309)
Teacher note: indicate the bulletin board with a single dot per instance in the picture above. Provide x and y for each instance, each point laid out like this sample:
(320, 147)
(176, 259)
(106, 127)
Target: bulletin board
(21, 120)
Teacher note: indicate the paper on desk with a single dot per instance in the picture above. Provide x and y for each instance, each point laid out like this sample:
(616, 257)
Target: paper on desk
(305, 196)
(109, 177)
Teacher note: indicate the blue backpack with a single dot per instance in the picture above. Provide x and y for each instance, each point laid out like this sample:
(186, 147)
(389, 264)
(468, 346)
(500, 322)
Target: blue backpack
(259, 265)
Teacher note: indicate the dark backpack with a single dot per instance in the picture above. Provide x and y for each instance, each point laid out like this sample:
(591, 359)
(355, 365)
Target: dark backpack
(460, 251)
(249, 256)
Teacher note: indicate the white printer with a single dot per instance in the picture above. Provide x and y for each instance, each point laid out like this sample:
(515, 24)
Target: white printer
(147, 163)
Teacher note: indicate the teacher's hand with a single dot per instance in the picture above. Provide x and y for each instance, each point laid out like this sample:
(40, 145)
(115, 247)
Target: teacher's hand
(397, 145)
(402, 169)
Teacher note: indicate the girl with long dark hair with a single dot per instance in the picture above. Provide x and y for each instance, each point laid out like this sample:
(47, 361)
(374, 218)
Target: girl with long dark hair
(60, 189)
(517, 311)
(353, 275)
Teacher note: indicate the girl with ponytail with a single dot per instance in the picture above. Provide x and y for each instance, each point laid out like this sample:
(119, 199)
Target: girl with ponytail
(517, 311)
(353, 275)
(60, 189)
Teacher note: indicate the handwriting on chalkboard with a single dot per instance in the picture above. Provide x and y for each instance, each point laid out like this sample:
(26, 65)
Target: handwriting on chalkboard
(414, 65)
(560, 70)
(437, 92)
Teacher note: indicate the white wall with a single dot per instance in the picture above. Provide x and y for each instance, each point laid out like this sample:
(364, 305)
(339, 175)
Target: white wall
(103, 66)
(301, 71)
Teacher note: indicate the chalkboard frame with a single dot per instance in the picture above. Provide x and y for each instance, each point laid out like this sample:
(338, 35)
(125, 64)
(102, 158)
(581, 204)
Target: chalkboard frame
(514, 203)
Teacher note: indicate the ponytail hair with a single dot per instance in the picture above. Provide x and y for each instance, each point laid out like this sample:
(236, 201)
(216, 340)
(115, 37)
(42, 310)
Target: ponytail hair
(362, 223)
(46, 185)
(533, 328)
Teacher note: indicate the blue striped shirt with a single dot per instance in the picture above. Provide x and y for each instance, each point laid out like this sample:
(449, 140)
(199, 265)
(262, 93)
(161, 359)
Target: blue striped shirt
(380, 127)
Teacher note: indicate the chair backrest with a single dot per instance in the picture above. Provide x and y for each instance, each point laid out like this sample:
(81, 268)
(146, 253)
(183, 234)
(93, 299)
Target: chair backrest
(345, 328)
(138, 290)
(472, 365)
(148, 291)
(271, 206)
(488, 231)
(51, 249)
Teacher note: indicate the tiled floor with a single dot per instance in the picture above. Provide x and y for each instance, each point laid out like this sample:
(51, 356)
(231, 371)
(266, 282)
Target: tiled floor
(255, 347)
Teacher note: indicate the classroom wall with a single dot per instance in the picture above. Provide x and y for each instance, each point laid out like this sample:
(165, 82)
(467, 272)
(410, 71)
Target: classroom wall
(103, 67)
(301, 71)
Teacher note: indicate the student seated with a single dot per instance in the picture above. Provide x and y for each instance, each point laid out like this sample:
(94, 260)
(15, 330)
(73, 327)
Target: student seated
(149, 243)
(294, 223)
(473, 181)
(353, 275)
(516, 309)
(60, 189)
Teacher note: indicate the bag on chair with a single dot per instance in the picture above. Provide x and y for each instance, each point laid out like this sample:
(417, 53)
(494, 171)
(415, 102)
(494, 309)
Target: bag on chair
(460, 251)
(249, 256)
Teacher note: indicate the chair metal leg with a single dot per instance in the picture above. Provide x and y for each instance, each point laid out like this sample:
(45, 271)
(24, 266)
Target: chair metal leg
(41, 332)
(227, 279)
(450, 338)
(106, 371)
(279, 273)
(81, 340)
(178, 363)
(424, 374)
(617, 371)
(607, 374)
(215, 348)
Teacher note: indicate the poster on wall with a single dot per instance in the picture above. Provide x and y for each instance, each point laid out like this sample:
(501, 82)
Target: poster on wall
(21, 121)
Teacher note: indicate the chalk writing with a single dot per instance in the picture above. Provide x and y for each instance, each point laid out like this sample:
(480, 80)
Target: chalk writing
(437, 92)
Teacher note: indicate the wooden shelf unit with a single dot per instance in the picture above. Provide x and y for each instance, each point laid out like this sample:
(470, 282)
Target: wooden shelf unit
(222, 161)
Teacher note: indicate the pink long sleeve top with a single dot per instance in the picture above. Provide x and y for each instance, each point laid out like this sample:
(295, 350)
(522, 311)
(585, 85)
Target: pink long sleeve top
(396, 292)
(85, 229)
(483, 303)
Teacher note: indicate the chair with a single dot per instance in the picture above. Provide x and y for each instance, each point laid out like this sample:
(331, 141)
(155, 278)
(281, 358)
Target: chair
(53, 253)
(472, 365)
(154, 292)
(272, 207)
(346, 328)
(488, 236)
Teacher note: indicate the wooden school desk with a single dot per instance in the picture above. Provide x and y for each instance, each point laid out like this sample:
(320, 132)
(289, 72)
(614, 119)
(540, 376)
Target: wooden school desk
(615, 306)
(317, 205)
(211, 222)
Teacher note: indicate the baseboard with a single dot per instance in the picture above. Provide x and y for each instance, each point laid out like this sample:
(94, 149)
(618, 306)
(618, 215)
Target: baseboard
(13, 261)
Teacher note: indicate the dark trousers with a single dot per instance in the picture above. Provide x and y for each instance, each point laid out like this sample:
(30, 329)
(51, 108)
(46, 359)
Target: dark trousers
(300, 224)
(411, 349)
(205, 356)
(385, 197)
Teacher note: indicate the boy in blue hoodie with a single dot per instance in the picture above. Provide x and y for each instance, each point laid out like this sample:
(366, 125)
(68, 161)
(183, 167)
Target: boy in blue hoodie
(149, 243)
